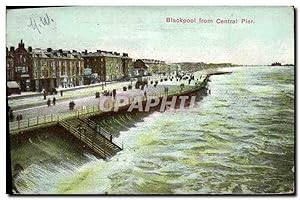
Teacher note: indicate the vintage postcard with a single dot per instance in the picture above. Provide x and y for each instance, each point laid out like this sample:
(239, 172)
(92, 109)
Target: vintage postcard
(132, 100)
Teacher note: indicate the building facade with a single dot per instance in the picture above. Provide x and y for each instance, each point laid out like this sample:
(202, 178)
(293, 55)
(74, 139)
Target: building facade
(114, 66)
(96, 63)
(107, 65)
(130, 68)
(140, 68)
(10, 70)
(56, 69)
(156, 66)
(45, 69)
(22, 65)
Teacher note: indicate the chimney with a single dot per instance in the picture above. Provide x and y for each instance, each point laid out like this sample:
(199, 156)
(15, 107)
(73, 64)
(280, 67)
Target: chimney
(49, 49)
(85, 51)
(30, 49)
(12, 49)
(21, 44)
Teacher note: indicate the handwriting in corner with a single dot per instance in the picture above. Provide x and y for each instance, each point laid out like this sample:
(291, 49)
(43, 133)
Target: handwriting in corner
(43, 21)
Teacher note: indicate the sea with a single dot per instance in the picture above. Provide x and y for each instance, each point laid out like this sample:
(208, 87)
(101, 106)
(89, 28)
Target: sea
(238, 139)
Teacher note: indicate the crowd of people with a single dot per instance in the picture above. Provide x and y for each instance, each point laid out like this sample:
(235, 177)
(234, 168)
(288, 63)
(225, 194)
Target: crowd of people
(53, 101)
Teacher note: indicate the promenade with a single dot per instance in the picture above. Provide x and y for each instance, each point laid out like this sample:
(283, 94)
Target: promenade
(32, 99)
(86, 102)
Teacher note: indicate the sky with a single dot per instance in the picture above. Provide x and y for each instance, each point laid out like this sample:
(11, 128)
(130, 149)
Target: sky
(143, 32)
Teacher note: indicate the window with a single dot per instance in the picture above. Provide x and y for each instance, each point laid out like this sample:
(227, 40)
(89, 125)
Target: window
(57, 72)
(63, 71)
(69, 70)
(18, 69)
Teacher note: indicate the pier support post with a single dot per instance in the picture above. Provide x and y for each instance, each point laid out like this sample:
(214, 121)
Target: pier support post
(18, 124)
(37, 120)
(28, 122)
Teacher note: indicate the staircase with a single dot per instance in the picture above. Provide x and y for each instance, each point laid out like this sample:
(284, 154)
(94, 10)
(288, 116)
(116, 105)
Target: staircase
(100, 141)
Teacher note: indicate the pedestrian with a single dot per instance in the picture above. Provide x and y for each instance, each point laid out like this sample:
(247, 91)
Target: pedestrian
(181, 87)
(44, 93)
(71, 105)
(61, 93)
(145, 95)
(114, 92)
(19, 117)
(49, 102)
(11, 115)
(166, 91)
(54, 101)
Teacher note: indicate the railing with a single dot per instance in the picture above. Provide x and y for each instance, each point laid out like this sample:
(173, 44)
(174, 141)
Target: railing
(102, 131)
(90, 142)
(51, 118)
(31, 122)
(87, 110)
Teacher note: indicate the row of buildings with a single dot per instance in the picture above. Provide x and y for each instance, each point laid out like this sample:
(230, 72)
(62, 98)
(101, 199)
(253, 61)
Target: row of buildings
(156, 66)
(38, 69)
